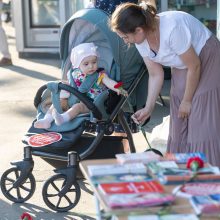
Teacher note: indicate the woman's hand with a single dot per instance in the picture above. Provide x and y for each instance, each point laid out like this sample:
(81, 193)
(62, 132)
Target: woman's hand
(184, 109)
(141, 115)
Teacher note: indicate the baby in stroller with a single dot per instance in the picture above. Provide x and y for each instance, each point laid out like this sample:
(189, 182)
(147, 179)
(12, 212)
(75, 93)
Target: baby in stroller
(84, 66)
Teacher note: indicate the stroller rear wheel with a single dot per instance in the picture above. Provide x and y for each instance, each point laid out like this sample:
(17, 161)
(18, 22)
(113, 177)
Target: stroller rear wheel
(54, 198)
(20, 193)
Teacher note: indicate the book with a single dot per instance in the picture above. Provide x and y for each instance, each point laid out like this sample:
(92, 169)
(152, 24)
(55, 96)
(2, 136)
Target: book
(178, 177)
(169, 173)
(183, 157)
(197, 189)
(125, 177)
(132, 200)
(131, 187)
(206, 205)
(106, 169)
(164, 217)
(143, 157)
(161, 166)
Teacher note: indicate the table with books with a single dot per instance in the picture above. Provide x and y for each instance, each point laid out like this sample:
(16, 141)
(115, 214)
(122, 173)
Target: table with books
(130, 191)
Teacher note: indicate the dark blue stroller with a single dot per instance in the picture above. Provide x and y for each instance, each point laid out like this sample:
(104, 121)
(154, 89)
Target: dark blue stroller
(88, 136)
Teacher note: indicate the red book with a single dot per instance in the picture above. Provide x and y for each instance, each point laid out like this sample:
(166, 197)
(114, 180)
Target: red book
(131, 187)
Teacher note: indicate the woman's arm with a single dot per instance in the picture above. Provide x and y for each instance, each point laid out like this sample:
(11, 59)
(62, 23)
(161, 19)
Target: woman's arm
(192, 61)
(155, 82)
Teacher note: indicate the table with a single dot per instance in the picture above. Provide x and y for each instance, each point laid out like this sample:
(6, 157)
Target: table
(181, 205)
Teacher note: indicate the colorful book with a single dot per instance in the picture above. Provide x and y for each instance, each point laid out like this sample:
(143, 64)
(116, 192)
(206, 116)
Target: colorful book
(183, 157)
(206, 205)
(197, 189)
(160, 166)
(164, 217)
(125, 177)
(177, 175)
(131, 187)
(144, 157)
(178, 179)
(108, 169)
(116, 201)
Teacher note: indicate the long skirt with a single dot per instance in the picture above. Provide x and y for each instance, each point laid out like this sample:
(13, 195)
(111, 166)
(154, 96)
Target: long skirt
(201, 131)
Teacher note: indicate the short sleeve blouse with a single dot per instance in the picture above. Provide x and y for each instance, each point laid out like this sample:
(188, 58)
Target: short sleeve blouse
(178, 31)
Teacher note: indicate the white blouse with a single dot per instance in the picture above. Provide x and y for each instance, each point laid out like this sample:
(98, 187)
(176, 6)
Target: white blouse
(178, 31)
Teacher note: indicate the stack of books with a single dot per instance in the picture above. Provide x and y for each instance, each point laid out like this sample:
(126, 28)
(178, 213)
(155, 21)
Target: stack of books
(134, 194)
(108, 173)
(172, 170)
(128, 185)
(137, 181)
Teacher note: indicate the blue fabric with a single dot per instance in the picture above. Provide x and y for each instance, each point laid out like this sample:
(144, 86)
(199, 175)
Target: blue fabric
(110, 5)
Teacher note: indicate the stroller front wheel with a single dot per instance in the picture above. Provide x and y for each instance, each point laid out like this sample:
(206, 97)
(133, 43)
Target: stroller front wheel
(54, 199)
(20, 193)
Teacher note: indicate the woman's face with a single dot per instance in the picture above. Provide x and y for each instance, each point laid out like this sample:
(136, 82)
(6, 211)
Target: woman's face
(133, 38)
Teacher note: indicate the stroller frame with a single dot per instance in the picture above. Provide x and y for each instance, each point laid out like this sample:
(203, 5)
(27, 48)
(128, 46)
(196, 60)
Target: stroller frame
(23, 169)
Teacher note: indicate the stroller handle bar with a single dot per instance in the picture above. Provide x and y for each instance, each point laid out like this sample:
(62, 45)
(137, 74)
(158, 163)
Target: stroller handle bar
(82, 97)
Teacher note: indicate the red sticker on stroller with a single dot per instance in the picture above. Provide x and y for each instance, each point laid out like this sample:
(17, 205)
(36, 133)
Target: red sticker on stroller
(40, 140)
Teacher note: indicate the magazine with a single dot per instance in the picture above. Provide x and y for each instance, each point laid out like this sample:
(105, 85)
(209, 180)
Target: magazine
(177, 179)
(197, 189)
(138, 200)
(177, 175)
(206, 205)
(125, 177)
(183, 157)
(106, 169)
(161, 166)
(131, 187)
(143, 157)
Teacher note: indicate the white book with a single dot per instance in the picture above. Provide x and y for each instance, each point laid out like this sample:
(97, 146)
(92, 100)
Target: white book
(144, 157)
(105, 169)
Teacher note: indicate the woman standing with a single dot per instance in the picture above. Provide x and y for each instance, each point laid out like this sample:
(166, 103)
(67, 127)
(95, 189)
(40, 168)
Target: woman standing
(178, 40)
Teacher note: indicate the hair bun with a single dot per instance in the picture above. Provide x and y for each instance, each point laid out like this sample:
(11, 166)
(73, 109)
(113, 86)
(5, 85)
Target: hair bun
(143, 5)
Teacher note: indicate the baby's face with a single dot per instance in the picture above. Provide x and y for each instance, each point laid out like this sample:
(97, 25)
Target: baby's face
(89, 65)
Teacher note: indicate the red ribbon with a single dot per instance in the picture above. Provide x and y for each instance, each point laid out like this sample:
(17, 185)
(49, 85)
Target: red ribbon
(118, 85)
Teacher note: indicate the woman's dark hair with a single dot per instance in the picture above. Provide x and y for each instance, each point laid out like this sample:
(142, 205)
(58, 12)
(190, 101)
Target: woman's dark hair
(128, 16)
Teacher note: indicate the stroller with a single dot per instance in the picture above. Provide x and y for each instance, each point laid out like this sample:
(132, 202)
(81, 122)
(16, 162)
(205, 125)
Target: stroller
(88, 136)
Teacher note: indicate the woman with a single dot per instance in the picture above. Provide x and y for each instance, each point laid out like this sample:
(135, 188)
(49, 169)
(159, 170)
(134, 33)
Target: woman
(178, 40)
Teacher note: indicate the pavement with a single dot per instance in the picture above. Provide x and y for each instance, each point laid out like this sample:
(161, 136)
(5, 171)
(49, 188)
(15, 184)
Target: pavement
(18, 85)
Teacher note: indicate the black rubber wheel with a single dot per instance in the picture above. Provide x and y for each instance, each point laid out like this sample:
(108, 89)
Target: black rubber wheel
(17, 194)
(56, 202)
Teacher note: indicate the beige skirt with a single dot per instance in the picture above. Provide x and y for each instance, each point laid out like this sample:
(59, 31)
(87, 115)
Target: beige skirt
(201, 131)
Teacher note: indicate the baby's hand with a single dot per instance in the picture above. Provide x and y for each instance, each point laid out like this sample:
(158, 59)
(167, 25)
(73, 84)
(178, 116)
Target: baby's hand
(122, 92)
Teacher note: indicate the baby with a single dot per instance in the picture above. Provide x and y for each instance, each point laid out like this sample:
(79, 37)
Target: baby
(84, 59)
